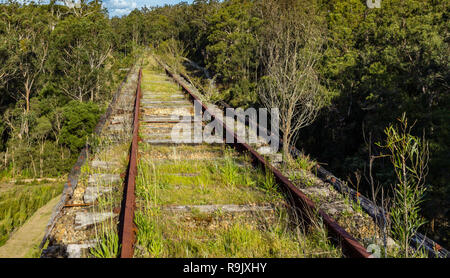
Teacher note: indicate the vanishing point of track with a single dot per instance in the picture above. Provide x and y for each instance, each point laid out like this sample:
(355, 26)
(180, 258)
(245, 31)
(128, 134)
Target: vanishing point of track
(127, 230)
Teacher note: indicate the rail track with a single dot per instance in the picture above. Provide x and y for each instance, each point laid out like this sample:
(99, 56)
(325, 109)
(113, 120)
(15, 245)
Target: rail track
(155, 115)
(378, 214)
(160, 198)
(99, 172)
(141, 194)
(135, 192)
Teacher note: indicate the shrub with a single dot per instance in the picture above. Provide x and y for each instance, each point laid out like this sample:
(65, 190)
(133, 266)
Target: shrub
(80, 120)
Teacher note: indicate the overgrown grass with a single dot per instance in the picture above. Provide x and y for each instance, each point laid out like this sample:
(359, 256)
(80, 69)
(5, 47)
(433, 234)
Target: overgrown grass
(107, 241)
(213, 175)
(304, 162)
(268, 235)
(21, 202)
(158, 82)
(34, 252)
(220, 181)
(229, 180)
(106, 233)
(185, 152)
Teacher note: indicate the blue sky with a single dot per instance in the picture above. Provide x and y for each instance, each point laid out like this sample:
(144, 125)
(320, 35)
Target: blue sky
(124, 7)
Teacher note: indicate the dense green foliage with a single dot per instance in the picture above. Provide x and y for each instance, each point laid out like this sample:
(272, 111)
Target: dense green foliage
(59, 69)
(384, 62)
(80, 120)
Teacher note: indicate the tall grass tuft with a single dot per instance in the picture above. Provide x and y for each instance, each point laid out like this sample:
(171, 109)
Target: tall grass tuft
(107, 245)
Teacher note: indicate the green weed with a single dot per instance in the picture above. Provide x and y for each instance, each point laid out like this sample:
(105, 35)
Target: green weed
(18, 204)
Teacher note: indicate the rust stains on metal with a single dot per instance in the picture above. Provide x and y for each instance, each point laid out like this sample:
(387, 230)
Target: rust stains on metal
(127, 231)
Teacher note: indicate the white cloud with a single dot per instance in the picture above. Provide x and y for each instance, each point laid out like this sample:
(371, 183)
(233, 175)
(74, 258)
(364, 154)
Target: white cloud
(120, 12)
(123, 4)
(120, 7)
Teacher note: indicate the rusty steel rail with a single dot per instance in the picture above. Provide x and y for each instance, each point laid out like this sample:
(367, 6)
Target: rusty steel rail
(350, 246)
(127, 229)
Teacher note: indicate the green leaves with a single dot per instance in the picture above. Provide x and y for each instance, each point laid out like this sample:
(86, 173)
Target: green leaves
(82, 46)
(409, 156)
(232, 43)
(107, 246)
(42, 128)
(79, 121)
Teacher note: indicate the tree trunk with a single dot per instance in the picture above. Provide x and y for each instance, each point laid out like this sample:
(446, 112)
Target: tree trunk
(286, 153)
(28, 84)
(41, 161)
(34, 166)
(6, 157)
(27, 100)
(13, 163)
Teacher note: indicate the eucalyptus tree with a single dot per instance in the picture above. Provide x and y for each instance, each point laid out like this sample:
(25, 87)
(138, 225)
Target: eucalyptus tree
(81, 48)
(25, 49)
(292, 48)
(231, 49)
